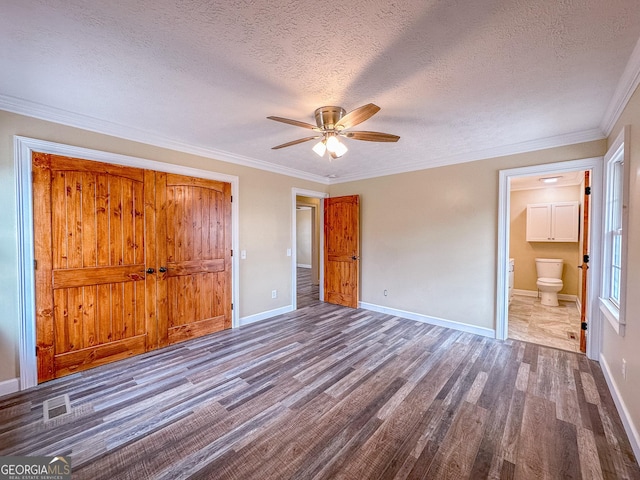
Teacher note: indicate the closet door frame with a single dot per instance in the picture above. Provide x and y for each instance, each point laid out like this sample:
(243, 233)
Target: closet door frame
(24, 147)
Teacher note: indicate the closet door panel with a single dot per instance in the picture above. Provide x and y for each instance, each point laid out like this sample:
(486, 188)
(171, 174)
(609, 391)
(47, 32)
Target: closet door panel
(90, 263)
(197, 256)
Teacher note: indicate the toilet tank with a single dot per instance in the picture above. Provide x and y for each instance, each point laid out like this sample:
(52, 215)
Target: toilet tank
(549, 267)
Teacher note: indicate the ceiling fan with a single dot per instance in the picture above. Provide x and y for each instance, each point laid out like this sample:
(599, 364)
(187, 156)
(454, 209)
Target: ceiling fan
(334, 122)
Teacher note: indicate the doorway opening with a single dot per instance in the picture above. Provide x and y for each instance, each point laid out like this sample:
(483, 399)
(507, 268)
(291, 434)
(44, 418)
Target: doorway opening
(307, 256)
(556, 205)
(512, 244)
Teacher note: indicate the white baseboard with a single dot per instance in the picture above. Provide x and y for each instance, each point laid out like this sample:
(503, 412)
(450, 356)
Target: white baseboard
(525, 293)
(9, 386)
(464, 327)
(629, 427)
(264, 315)
(303, 265)
(534, 293)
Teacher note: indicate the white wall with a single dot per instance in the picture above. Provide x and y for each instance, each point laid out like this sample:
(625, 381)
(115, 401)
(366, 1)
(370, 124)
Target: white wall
(303, 237)
(317, 231)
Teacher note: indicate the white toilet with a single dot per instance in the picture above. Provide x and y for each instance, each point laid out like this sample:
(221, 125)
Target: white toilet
(549, 280)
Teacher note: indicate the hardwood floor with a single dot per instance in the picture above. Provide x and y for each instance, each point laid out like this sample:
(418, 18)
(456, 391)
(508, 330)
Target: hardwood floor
(308, 293)
(330, 392)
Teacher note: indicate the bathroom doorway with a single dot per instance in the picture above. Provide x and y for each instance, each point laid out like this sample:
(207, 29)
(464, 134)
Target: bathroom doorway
(521, 313)
(547, 312)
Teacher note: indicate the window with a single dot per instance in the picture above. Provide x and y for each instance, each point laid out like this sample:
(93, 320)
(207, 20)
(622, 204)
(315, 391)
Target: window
(615, 229)
(614, 242)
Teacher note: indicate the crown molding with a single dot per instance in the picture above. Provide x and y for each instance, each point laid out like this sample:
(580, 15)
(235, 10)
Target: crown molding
(627, 85)
(85, 122)
(43, 112)
(524, 147)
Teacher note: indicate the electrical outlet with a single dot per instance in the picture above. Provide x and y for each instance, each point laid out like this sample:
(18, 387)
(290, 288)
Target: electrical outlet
(274, 293)
(386, 293)
(624, 369)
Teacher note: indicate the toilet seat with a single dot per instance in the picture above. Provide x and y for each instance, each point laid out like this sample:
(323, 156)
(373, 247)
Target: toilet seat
(550, 282)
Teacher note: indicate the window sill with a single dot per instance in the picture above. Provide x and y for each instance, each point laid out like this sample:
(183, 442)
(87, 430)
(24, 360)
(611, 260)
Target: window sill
(612, 313)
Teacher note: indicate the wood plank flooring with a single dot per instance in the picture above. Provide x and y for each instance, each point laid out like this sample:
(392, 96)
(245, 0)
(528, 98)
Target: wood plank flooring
(327, 392)
(307, 292)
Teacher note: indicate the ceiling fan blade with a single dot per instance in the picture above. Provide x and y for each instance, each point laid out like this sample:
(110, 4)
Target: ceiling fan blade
(357, 116)
(294, 122)
(372, 136)
(295, 142)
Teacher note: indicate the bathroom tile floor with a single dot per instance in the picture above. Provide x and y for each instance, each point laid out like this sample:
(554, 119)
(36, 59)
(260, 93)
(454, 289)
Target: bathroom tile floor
(557, 327)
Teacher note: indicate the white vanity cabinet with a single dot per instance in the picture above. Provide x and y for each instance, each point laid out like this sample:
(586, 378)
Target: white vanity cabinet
(553, 222)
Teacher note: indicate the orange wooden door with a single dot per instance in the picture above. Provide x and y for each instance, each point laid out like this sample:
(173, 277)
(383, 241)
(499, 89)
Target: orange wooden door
(94, 303)
(194, 246)
(585, 263)
(342, 250)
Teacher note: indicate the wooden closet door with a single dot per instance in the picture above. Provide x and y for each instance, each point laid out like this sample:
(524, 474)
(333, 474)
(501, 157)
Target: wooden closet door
(94, 302)
(194, 247)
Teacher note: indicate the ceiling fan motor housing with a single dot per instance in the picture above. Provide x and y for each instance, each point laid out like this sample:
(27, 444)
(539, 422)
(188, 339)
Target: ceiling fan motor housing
(327, 117)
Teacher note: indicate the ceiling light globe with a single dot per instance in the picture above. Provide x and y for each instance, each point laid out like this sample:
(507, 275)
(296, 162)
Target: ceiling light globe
(333, 143)
(320, 148)
(340, 149)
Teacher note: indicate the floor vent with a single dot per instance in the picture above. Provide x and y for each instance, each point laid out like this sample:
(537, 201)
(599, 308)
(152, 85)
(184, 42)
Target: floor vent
(56, 407)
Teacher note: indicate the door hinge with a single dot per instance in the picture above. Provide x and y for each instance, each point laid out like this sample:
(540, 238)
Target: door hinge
(585, 258)
(587, 190)
(35, 264)
(232, 306)
(231, 197)
(583, 325)
(232, 252)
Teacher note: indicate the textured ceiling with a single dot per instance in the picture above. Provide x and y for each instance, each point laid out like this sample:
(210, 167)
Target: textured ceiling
(457, 80)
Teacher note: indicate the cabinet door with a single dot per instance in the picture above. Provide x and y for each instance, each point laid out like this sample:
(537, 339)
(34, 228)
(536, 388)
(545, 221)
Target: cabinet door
(539, 222)
(565, 221)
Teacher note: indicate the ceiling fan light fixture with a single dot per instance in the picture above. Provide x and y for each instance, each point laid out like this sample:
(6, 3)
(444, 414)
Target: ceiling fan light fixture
(332, 122)
(320, 148)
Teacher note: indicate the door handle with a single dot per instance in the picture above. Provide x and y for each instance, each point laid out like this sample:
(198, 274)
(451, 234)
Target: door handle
(162, 269)
(150, 270)
(584, 265)
(355, 257)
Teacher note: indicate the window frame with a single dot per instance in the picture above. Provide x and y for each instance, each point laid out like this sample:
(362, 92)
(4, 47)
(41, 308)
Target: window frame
(614, 239)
